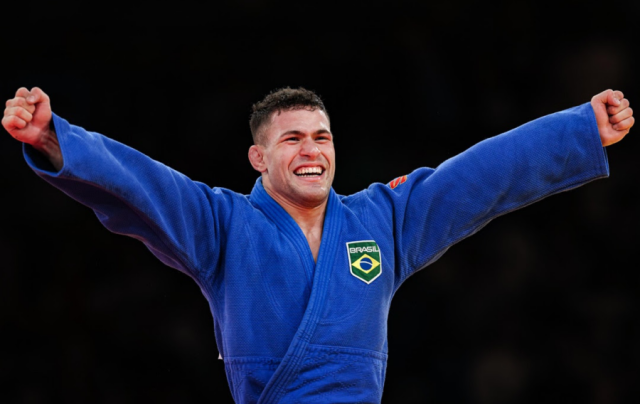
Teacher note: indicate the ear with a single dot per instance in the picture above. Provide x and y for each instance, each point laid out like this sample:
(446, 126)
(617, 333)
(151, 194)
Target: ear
(256, 158)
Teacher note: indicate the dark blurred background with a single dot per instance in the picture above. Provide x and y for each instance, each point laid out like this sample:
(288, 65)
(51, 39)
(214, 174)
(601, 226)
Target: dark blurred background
(540, 306)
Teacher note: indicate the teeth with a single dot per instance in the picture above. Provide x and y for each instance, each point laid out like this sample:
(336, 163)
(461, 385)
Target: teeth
(309, 170)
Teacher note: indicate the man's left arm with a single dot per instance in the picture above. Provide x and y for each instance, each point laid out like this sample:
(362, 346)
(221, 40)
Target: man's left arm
(435, 208)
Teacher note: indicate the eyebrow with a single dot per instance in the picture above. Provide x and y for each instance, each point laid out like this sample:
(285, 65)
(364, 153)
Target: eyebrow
(297, 132)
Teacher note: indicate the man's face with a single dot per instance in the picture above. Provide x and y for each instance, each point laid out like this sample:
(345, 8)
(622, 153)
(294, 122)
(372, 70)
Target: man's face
(299, 158)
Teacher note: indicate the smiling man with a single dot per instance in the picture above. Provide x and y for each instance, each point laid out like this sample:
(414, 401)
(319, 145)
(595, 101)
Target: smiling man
(294, 152)
(299, 279)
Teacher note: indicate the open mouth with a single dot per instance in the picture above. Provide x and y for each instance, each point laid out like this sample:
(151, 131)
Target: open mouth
(309, 172)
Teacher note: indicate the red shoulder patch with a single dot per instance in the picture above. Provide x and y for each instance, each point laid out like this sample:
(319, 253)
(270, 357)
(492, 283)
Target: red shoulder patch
(398, 181)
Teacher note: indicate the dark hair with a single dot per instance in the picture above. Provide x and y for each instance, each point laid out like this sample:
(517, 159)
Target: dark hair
(282, 99)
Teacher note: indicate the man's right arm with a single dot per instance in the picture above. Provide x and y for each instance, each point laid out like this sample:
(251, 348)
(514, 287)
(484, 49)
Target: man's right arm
(178, 219)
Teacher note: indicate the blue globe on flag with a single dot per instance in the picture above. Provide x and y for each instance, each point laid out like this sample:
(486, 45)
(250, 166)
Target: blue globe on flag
(366, 263)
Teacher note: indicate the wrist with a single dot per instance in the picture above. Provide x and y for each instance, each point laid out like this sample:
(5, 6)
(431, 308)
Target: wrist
(49, 146)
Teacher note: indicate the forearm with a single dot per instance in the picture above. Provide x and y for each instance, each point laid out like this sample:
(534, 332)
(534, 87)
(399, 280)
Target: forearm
(50, 148)
(496, 176)
(133, 195)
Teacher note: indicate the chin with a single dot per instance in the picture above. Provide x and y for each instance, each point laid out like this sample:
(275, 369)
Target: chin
(314, 197)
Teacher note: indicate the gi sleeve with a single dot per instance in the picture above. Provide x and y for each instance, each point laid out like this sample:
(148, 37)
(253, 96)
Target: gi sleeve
(178, 219)
(435, 208)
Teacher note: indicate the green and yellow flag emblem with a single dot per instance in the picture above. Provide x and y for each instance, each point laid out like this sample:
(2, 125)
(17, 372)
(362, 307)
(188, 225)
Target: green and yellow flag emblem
(364, 260)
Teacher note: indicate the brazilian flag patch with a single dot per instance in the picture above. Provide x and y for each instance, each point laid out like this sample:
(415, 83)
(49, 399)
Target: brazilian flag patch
(364, 260)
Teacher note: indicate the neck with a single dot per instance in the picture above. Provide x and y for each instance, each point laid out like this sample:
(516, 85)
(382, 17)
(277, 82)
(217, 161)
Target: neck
(309, 218)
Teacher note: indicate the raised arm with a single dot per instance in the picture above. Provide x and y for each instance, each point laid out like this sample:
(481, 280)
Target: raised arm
(435, 208)
(178, 219)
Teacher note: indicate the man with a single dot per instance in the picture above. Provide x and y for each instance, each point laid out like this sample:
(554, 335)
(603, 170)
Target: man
(299, 279)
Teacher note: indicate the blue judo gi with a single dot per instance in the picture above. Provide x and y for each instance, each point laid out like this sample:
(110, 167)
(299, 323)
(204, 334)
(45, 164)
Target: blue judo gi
(291, 330)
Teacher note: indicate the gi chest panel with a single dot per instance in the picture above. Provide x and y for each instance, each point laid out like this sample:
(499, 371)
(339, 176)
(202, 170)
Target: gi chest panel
(280, 274)
(348, 296)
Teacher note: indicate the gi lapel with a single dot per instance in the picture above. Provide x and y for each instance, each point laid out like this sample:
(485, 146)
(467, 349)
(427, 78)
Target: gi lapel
(288, 368)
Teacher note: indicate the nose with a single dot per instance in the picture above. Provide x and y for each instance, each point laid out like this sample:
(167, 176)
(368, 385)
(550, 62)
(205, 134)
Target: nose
(309, 148)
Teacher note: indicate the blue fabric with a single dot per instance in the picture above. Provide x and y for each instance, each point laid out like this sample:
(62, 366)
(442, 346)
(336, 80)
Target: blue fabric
(291, 330)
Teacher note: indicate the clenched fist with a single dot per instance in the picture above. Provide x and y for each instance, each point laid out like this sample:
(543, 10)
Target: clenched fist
(613, 116)
(27, 117)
